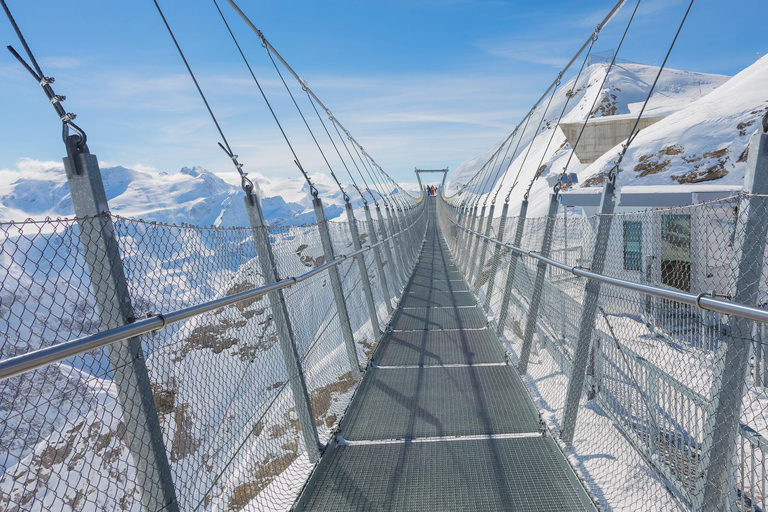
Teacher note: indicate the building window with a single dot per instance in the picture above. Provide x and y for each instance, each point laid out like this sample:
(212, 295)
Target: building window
(633, 245)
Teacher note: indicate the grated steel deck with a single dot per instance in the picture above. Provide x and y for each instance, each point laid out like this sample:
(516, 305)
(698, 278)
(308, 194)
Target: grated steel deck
(438, 348)
(407, 403)
(436, 298)
(521, 475)
(440, 422)
(419, 319)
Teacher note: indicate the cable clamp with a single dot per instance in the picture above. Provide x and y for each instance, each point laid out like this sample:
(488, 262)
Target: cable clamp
(57, 99)
(69, 116)
(161, 317)
(46, 80)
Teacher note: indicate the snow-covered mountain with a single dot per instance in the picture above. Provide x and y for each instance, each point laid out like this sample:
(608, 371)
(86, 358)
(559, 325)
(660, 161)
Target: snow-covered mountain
(706, 125)
(192, 196)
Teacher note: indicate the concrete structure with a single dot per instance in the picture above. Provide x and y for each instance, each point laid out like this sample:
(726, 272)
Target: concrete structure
(601, 134)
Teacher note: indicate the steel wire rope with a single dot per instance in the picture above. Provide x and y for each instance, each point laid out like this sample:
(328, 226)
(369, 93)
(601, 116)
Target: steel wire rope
(353, 161)
(504, 176)
(605, 79)
(248, 187)
(246, 183)
(301, 113)
(611, 14)
(266, 100)
(45, 82)
(536, 134)
(565, 106)
(271, 49)
(487, 179)
(333, 143)
(506, 143)
(371, 176)
(635, 131)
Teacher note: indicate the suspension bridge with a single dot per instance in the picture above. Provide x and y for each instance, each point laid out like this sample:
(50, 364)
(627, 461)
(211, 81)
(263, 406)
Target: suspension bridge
(418, 353)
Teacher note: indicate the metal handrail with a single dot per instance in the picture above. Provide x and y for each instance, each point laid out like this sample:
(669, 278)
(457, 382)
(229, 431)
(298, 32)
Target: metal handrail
(56, 353)
(702, 301)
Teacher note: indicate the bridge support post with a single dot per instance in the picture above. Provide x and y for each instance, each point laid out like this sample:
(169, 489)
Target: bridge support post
(538, 286)
(338, 290)
(388, 248)
(364, 279)
(113, 303)
(515, 257)
(284, 328)
(455, 243)
(480, 262)
(471, 238)
(374, 237)
(732, 364)
(399, 228)
(588, 311)
(496, 256)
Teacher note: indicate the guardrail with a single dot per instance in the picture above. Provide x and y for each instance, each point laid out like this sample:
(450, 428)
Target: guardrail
(56, 353)
(703, 301)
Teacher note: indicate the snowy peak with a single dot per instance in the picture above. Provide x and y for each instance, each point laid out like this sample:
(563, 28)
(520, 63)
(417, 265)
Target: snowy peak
(194, 195)
(703, 114)
(704, 142)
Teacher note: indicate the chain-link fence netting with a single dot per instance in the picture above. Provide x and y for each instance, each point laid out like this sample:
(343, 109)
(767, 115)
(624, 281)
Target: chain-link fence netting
(216, 392)
(673, 412)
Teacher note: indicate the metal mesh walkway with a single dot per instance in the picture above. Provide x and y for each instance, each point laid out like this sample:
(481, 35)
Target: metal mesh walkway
(440, 421)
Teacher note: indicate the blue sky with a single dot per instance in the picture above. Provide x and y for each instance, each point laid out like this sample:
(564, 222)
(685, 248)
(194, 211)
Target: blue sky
(422, 83)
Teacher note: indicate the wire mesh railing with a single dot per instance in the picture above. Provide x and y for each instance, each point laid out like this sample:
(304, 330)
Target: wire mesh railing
(657, 376)
(220, 385)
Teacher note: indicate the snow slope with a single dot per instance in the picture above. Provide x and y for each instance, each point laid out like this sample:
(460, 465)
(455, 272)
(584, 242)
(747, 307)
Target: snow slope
(622, 95)
(705, 142)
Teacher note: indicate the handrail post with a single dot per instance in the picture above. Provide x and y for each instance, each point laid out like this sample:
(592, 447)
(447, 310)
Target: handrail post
(588, 311)
(511, 273)
(282, 319)
(388, 248)
(459, 232)
(496, 255)
(398, 229)
(538, 286)
(471, 238)
(731, 367)
(410, 239)
(485, 242)
(338, 290)
(113, 302)
(377, 256)
(470, 269)
(355, 232)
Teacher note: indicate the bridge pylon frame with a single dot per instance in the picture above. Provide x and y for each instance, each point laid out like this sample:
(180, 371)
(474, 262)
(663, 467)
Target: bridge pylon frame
(430, 171)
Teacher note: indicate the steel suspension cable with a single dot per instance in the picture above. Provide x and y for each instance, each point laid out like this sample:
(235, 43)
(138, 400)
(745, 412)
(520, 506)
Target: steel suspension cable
(245, 183)
(504, 176)
(296, 160)
(273, 50)
(354, 162)
(536, 134)
(565, 107)
(634, 131)
(605, 79)
(333, 143)
(600, 26)
(301, 113)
